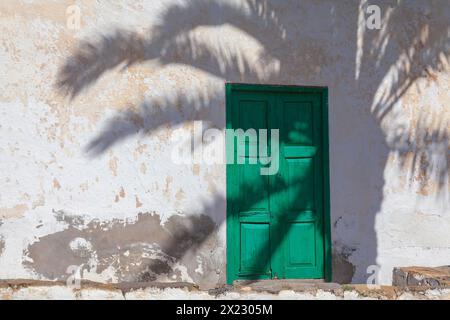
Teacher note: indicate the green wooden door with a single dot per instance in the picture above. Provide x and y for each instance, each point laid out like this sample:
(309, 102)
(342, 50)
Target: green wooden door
(277, 225)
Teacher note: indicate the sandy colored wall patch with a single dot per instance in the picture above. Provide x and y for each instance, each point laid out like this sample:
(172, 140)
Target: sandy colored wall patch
(15, 212)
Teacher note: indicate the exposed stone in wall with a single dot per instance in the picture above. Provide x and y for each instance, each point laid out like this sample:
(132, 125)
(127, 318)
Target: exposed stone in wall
(422, 276)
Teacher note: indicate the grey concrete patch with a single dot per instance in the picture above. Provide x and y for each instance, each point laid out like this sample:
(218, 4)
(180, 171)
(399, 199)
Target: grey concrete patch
(140, 251)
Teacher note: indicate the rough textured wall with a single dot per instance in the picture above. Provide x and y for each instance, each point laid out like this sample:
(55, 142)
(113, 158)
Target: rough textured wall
(88, 114)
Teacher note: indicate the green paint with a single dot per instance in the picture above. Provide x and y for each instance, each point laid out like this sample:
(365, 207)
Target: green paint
(278, 226)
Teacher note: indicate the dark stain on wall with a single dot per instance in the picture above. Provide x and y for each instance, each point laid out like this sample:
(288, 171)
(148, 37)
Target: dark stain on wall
(2, 245)
(2, 242)
(343, 270)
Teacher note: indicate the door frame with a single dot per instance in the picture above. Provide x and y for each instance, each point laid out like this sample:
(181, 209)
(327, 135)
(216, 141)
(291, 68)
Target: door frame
(233, 87)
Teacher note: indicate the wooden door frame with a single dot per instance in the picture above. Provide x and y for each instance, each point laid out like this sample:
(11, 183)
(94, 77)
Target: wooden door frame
(233, 87)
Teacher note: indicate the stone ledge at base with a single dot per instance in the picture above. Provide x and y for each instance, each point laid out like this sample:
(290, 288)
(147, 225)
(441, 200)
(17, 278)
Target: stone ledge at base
(421, 276)
(53, 290)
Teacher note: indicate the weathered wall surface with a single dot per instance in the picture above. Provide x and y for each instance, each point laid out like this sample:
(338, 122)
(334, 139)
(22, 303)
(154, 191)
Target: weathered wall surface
(88, 113)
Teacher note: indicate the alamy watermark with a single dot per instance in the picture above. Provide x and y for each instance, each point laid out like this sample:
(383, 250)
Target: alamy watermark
(373, 21)
(250, 146)
(73, 17)
(373, 280)
(75, 273)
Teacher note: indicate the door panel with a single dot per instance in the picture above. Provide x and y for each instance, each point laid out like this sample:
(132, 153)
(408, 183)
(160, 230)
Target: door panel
(301, 244)
(254, 255)
(276, 223)
(299, 173)
(251, 208)
(299, 120)
(254, 189)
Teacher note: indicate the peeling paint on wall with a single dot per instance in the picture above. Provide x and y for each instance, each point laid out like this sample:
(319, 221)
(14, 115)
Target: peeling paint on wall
(87, 117)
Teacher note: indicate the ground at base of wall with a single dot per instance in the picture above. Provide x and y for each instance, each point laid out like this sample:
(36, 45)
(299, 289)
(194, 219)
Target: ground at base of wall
(30, 289)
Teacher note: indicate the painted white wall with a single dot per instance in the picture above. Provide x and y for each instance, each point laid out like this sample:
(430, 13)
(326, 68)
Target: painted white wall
(389, 175)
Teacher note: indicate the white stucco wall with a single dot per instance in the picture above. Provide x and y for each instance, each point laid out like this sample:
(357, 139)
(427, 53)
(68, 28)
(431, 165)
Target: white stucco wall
(87, 116)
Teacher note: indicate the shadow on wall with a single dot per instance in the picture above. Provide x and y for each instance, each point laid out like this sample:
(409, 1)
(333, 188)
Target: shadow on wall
(367, 71)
